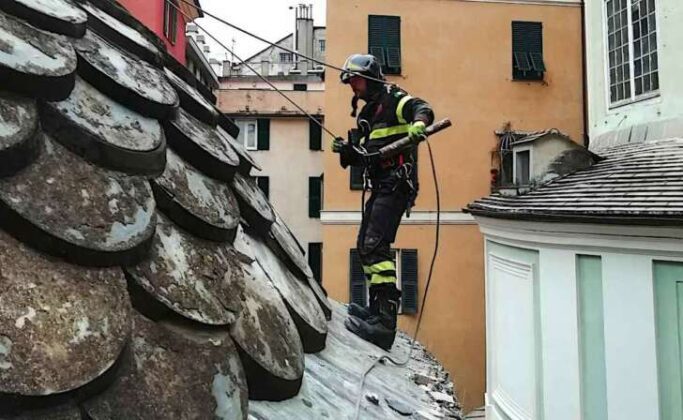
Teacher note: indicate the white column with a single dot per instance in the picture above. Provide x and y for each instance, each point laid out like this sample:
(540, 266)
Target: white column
(559, 335)
(630, 347)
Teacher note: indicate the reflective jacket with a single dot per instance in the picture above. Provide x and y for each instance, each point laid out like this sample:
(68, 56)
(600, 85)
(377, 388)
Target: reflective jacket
(388, 117)
(385, 119)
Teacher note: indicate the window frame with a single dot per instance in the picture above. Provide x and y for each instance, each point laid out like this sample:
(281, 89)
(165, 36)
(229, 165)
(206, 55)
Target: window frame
(288, 55)
(309, 249)
(633, 98)
(384, 60)
(170, 27)
(242, 124)
(260, 180)
(531, 75)
(515, 151)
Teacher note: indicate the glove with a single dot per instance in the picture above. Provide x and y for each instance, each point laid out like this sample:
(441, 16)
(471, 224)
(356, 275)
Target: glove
(338, 145)
(417, 131)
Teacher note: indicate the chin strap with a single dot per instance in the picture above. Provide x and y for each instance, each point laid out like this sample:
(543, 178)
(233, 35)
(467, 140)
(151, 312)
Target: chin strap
(354, 106)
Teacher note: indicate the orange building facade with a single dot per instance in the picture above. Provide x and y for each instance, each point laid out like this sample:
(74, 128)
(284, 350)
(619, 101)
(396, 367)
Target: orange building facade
(459, 56)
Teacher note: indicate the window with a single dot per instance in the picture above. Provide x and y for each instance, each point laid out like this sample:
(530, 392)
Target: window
(263, 183)
(406, 273)
(632, 49)
(315, 135)
(248, 134)
(263, 138)
(315, 196)
(384, 42)
(170, 21)
(522, 164)
(285, 57)
(322, 45)
(315, 260)
(527, 51)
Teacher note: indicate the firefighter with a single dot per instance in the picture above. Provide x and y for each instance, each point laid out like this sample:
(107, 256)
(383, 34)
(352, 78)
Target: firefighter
(389, 114)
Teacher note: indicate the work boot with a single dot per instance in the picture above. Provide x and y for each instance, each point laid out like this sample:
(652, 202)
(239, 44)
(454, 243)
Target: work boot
(365, 312)
(379, 329)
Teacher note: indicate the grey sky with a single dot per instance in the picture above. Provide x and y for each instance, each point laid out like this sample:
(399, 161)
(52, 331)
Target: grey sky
(270, 19)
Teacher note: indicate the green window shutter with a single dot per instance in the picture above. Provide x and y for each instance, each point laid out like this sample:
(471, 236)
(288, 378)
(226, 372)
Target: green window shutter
(358, 293)
(264, 184)
(384, 41)
(315, 260)
(263, 134)
(314, 196)
(315, 134)
(409, 281)
(527, 51)
(668, 278)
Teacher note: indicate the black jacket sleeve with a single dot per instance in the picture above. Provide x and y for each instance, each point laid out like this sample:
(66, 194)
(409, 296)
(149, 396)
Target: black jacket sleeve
(417, 109)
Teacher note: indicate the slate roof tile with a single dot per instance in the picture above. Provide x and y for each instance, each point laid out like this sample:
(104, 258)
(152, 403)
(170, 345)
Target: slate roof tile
(640, 183)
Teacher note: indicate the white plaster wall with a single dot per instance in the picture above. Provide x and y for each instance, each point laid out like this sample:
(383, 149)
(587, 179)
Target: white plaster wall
(559, 332)
(630, 347)
(545, 152)
(667, 106)
(289, 163)
(512, 388)
(629, 316)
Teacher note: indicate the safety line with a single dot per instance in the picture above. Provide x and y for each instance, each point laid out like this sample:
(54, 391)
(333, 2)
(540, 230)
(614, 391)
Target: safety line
(424, 297)
(253, 35)
(310, 117)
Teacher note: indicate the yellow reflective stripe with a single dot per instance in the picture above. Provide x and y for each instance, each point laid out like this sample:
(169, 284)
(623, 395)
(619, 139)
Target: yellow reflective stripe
(399, 109)
(389, 131)
(382, 266)
(380, 279)
(366, 269)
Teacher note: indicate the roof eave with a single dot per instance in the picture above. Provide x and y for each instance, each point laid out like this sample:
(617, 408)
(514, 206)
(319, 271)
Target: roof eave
(593, 218)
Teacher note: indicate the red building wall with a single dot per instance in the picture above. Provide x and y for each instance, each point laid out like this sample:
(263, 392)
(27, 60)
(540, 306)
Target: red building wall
(151, 13)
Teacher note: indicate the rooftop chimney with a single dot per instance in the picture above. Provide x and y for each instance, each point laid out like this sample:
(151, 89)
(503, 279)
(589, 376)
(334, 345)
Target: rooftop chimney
(304, 36)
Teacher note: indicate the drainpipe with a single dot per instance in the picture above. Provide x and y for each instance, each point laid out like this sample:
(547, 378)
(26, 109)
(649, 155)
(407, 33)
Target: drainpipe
(584, 70)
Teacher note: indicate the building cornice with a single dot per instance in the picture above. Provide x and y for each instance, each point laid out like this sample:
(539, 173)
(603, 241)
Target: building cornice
(564, 3)
(665, 240)
(336, 217)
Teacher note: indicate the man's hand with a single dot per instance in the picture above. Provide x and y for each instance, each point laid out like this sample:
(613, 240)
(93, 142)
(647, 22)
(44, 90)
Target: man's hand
(338, 145)
(417, 131)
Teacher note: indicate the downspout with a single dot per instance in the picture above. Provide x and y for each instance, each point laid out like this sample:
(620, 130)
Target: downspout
(584, 70)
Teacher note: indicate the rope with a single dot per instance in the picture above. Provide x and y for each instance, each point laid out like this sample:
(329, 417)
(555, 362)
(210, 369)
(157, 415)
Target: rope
(429, 147)
(424, 297)
(253, 35)
(310, 117)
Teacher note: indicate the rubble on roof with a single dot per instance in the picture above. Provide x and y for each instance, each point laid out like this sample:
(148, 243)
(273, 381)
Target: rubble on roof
(145, 275)
(331, 381)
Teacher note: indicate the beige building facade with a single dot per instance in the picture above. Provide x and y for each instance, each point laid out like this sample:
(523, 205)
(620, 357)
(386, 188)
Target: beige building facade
(476, 62)
(286, 145)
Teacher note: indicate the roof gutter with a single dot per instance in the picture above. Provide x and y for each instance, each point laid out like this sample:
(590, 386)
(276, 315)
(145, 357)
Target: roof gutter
(601, 219)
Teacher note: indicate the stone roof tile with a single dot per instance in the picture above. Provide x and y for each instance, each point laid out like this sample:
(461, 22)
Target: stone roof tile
(196, 321)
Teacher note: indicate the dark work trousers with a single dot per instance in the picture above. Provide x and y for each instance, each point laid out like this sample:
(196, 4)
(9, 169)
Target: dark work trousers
(381, 218)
